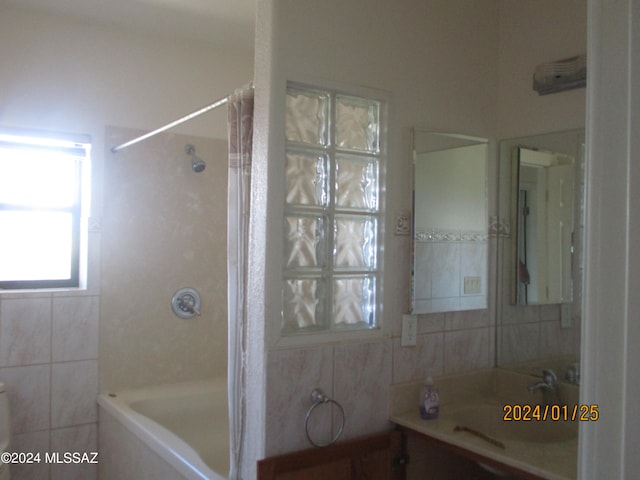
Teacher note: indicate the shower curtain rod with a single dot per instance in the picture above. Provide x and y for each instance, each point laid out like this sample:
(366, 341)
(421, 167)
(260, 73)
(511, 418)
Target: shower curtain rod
(186, 118)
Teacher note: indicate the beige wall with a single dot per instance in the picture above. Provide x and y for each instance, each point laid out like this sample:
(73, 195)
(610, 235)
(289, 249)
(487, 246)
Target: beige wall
(442, 65)
(64, 75)
(532, 33)
(438, 62)
(164, 228)
(451, 66)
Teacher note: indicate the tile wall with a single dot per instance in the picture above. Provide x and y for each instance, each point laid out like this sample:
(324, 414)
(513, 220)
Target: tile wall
(358, 375)
(529, 333)
(49, 364)
(50, 342)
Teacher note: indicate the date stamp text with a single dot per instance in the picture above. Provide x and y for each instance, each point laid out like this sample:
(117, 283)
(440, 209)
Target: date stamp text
(536, 413)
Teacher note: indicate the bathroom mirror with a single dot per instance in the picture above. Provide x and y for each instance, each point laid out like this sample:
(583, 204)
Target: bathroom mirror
(537, 328)
(450, 251)
(544, 208)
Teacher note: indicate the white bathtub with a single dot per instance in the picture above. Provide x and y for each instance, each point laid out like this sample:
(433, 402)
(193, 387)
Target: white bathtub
(186, 425)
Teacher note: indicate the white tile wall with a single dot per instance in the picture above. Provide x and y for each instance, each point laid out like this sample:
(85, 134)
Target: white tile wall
(358, 375)
(29, 390)
(74, 388)
(75, 329)
(426, 358)
(292, 375)
(466, 350)
(49, 364)
(34, 442)
(25, 331)
(361, 385)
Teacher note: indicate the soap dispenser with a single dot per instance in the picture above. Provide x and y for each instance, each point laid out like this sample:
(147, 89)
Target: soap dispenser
(429, 401)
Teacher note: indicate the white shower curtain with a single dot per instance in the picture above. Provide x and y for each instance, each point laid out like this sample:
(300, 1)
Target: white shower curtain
(240, 129)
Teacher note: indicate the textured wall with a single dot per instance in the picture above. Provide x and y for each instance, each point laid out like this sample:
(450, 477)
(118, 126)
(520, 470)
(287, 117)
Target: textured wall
(164, 228)
(423, 54)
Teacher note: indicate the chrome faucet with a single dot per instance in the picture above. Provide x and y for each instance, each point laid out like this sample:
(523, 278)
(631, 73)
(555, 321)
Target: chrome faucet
(548, 385)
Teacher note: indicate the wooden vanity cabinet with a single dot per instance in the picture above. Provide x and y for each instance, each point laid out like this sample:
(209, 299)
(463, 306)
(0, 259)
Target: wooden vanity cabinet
(375, 457)
(429, 458)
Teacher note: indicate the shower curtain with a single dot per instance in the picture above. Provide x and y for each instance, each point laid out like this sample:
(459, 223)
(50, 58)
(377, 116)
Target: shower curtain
(240, 129)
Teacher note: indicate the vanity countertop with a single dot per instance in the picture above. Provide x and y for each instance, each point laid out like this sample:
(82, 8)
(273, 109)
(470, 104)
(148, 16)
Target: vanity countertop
(553, 460)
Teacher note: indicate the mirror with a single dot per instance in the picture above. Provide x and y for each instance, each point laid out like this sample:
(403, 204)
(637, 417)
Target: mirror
(544, 206)
(450, 234)
(540, 246)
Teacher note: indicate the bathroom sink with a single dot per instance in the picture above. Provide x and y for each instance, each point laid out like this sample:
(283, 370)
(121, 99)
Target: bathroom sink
(475, 402)
(489, 420)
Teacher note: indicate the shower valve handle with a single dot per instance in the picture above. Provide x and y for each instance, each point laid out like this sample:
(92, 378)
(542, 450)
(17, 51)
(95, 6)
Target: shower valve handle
(186, 303)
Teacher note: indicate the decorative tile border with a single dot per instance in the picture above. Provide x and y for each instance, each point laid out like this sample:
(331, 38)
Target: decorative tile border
(498, 227)
(450, 236)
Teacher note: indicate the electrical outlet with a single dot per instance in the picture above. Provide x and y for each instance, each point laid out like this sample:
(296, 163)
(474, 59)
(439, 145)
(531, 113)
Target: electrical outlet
(409, 330)
(472, 285)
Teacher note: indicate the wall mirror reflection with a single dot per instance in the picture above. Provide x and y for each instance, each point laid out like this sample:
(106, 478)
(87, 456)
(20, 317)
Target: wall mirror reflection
(542, 190)
(450, 219)
(543, 217)
(543, 212)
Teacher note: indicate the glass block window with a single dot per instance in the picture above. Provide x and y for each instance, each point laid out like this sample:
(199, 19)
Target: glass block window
(333, 215)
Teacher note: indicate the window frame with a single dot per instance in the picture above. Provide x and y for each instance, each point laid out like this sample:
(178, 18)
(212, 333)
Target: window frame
(75, 145)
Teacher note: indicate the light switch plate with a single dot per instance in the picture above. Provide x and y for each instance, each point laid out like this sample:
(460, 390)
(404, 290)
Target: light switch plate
(409, 330)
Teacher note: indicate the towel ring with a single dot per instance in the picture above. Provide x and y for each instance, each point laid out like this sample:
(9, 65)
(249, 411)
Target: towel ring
(317, 398)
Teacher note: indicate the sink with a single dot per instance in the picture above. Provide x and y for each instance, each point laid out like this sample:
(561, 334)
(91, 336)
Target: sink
(475, 401)
(488, 420)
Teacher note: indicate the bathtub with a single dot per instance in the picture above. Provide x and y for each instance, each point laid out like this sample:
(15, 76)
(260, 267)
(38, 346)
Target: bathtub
(167, 432)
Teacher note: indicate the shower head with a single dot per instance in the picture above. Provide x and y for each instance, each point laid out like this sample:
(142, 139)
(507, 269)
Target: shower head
(197, 164)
